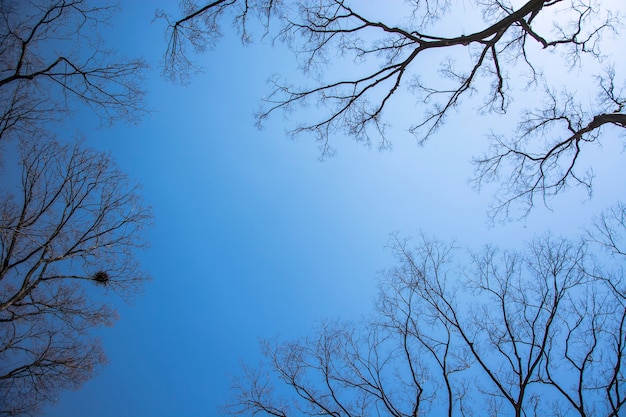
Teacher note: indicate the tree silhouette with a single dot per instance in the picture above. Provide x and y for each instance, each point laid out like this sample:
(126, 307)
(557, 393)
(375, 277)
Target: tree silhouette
(507, 53)
(533, 332)
(70, 221)
(52, 60)
(67, 235)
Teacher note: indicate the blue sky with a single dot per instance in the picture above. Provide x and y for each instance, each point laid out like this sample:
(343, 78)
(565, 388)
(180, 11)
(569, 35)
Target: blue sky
(254, 237)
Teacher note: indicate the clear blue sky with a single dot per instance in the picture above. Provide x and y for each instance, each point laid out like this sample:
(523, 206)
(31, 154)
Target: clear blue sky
(254, 237)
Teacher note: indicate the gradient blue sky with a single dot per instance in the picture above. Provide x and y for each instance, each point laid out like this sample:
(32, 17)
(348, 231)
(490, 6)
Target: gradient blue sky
(254, 237)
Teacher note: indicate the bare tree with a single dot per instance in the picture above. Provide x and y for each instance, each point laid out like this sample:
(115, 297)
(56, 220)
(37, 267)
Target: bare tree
(506, 53)
(503, 333)
(609, 231)
(51, 59)
(200, 27)
(68, 228)
(69, 223)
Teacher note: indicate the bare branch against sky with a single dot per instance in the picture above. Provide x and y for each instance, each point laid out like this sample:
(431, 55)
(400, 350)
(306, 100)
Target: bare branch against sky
(53, 62)
(504, 333)
(70, 221)
(255, 237)
(68, 233)
(359, 64)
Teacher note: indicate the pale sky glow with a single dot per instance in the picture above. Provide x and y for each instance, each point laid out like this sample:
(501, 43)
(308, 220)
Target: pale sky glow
(254, 237)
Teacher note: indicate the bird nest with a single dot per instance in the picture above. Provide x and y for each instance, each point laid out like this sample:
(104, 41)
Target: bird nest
(101, 277)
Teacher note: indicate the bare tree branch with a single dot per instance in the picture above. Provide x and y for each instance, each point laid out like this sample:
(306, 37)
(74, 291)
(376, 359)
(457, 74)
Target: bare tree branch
(200, 28)
(371, 61)
(73, 223)
(541, 168)
(504, 333)
(37, 85)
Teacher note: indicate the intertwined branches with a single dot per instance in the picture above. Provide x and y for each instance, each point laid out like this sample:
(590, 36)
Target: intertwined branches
(543, 159)
(70, 221)
(200, 28)
(51, 60)
(504, 333)
(360, 65)
(71, 224)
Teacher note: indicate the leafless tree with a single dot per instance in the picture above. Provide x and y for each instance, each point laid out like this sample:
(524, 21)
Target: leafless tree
(609, 231)
(51, 59)
(200, 28)
(69, 226)
(493, 333)
(506, 53)
(69, 223)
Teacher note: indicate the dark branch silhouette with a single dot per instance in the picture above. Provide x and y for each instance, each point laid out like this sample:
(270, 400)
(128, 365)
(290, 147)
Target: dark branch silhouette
(504, 333)
(200, 27)
(38, 85)
(69, 221)
(371, 61)
(67, 236)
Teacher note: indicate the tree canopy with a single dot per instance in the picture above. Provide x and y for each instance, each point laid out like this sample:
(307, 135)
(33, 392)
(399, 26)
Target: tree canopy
(70, 221)
(67, 237)
(452, 56)
(52, 61)
(539, 331)
(533, 332)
